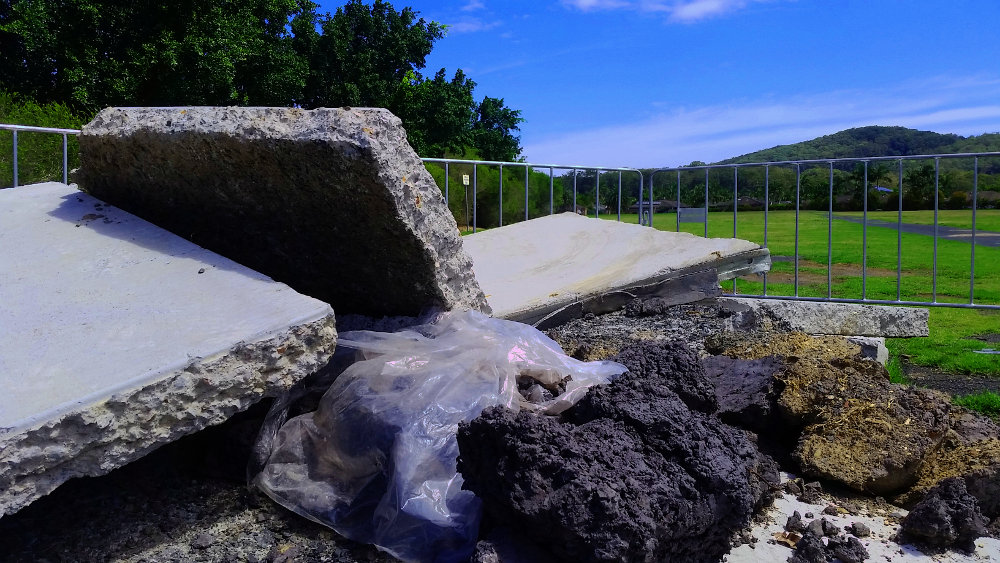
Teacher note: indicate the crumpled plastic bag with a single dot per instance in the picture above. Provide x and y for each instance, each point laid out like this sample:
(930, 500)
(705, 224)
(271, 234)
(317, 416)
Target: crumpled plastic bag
(377, 460)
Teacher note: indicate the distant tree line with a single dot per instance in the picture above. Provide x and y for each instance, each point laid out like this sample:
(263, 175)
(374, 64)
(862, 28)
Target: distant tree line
(84, 55)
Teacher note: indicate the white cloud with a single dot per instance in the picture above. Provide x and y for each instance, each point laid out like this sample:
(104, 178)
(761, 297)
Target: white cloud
(712, 133)
(472, 25)
(683, 11)
(473, 5)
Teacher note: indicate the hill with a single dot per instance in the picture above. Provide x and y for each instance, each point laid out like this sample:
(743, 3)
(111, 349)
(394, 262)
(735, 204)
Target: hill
(874, 140)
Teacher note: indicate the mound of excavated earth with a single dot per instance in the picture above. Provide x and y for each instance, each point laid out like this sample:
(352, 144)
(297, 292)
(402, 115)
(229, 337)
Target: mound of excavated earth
(639, 470)
(333, 202)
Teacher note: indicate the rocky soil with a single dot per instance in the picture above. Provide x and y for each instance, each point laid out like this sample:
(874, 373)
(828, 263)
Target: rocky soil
(188, 501)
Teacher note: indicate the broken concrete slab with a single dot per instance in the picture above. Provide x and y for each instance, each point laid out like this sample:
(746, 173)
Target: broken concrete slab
(119, 337)
(333, 202)
(847, 319)
(559, 267)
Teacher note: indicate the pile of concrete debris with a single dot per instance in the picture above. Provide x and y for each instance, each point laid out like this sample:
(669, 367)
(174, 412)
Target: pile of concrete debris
(162, 336)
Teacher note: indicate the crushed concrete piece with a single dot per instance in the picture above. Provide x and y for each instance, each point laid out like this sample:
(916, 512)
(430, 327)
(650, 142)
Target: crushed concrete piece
(845, 319)
(333, 202)
(120, 337)
(872, 347)
(567, 263)
(947, 516)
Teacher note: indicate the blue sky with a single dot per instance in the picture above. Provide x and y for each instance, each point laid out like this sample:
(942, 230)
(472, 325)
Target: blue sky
(665, 82)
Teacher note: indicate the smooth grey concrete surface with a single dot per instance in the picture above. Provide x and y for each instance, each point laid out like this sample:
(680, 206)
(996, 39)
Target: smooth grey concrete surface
(845, 319)
(537, 268)
(117, 336)
(333, 202)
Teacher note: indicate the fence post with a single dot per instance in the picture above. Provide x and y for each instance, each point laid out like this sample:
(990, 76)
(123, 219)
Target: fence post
(15, 158)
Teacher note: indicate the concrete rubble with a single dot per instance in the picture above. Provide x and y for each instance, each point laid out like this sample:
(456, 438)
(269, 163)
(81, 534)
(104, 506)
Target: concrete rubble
(333, 202)
(835, 318)
(120, 337)
(549, 270)
(139, 336)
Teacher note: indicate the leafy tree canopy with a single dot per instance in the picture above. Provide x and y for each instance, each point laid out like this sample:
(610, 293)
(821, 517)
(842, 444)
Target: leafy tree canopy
(90, 54)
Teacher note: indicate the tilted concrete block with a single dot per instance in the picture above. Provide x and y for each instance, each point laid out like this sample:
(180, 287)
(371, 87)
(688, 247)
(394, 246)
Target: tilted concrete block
(333, 202)
(117, 337)
(847, 319)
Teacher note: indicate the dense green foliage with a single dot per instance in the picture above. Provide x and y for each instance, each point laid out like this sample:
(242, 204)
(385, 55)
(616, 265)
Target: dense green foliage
(90, 54)
(39, 154)
(479, 203)
(874, 140)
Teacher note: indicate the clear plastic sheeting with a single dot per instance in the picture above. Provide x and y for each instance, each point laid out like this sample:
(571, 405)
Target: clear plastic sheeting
(377, 460)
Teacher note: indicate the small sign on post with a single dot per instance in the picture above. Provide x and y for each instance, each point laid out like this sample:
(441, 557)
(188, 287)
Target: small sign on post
(465, 179)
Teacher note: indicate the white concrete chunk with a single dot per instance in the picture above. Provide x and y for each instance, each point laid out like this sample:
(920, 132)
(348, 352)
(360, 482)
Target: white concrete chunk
(530, 269)
(846, 319)
(117, 336)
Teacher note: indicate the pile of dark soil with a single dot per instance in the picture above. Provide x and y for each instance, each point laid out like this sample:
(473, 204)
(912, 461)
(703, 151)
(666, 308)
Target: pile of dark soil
(640, 469)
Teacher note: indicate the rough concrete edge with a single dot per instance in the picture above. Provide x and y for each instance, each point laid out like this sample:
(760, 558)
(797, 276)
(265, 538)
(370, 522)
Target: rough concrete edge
(128, 425)
(454, 272)
(575, 306)
(457, 284)
(872, 347)
(772, 308)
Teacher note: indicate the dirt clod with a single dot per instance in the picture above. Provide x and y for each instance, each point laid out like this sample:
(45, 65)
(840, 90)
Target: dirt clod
(747, 391)
(860, 429)
(809, 549)
(631, 473)
(859, 529)
(847, 549)
(947, 516)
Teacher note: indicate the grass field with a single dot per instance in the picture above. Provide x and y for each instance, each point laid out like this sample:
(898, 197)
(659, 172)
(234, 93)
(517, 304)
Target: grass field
(986, 219)
(950, 346)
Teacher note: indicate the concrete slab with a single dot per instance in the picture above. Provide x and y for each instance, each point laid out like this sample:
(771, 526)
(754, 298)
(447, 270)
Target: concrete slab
(333, 202)
(566, 265)
(845, 319)
(117, 336)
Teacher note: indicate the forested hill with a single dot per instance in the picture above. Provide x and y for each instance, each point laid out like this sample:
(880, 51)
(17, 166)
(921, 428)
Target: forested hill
(874, 140)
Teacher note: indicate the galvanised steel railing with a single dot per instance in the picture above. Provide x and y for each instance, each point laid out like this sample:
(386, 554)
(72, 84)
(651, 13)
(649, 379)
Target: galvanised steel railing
(647, 207)
(15, 129)
(863, 168)
(529, 167)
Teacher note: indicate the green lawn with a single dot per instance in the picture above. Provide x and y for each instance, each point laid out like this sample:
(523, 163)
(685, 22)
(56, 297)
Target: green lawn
(986, 219)
(948, 347)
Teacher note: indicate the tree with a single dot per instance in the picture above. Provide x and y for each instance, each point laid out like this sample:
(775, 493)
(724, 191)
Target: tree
(436, 113)
(94, 53)
(492, 133)
(89, 54)
(362, 54)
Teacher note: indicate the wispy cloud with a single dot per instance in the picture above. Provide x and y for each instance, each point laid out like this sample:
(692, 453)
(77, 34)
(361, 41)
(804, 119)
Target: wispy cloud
(711, 133)
(473, 5)
(472, 25)
(682, 11)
